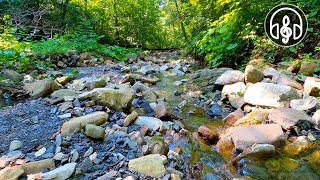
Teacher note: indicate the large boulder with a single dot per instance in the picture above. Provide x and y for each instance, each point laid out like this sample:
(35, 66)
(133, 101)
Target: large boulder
(268, 94)
(312, 86)
(97, 118)
(150, 165)
(230, 77)
(41, 88)
(287, 117)
(253, 74)
(118, 99)
(245, 136)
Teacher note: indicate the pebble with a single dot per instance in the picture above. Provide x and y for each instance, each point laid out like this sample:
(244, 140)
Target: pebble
(15, 144)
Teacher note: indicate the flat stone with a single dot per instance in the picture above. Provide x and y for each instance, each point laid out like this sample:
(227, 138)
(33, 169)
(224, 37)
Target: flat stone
(238, 88)
(253, 74)
(40, 88)
(15, 144)
(12, 75)
(37, 166)
(150, 165)
(285, 80)
(304, 104)
(230, 77)
(268, 94)
(312, 86)
(96, 82)
(95, 132)
(252, 118)
(247, 135)
(11, 173)
(287, 117)
(61, 173)
(233, 117)
(262, 150)
(151, 122)
(97, 118)
(63, 92)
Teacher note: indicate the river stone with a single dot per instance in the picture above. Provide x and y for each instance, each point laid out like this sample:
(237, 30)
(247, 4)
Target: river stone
(130, 118)
(304, 104)
(287, 117)
(37, 166)
(312, 86)
(12, 75)
(11, 173)
(15, 144)
(40, 152)
(238, 88)
(150, 165)
(262, 150)
(96, 82)
(233, 117)
(308, 68)
(151, 122)
(150, 96)
(95, 132)
(252, 74)
(285, 80)
(97, 118)
(211, 136)
(316, 117)
(300, 148)
(63, 80)
(118, 99)
(61, 173)
(268, 94)
(314, 161)
(230, 77)
(40, 88)
(138, 86)
(254, 117)
(63, 92)
(79, 84)
(247, 135)
(271, 72)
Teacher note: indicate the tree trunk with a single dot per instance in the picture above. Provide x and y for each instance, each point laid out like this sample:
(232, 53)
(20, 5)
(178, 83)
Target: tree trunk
(181, 22)
(116, 22)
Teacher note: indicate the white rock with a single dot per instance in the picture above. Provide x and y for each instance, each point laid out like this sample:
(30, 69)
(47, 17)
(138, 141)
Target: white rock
(312, 86)
(304, 104)
(151, 122)
(238, 88)
(316, 117)
(230, 77)
(61, 173)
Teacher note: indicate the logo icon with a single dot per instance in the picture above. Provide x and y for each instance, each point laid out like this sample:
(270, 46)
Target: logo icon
(286, 25)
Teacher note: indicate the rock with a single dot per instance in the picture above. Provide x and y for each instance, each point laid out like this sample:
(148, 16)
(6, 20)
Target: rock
(150, 165)
(247, 135)
(300, 148)
(255, 117)
(12, 75)
(63, 80)
(252, 74)
(308, 68)
(316, 117)
(138, 86)
(174, 176)
(233, 117)
(262, 150)
(95, 132)
(312, 86)
(152, 123)
(40, 88)
(38, 166)
(61, 173)
(210, 136)
(285, 80)
(63, 92)
(64, 106)
(238, 88)
(130, 118)
(97, 118)
(230, 77)
(314, 161)
(304, 104)
(236, 101)
(268, 94)
(11, 173)
(61, 64)
(178, 72)
(271, 72)
(214, 110)
(79, 84)
(15, 144)
(40, 152)
(225, 147)
(148, 69)
(150, 96)
(177, 83)
(74, 156)
(287, 117)
(163, 68)
(158, 146)
(96, 82)
(118, 99)
(108, 175)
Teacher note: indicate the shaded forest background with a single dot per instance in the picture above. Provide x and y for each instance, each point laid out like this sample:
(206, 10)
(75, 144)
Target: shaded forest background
(221, 32)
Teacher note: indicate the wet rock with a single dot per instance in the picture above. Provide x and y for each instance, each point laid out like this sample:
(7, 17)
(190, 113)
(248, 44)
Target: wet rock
(225, 147)
(63, 92)
(308, 68)
(254, 117)
(61, 173)
(312, 86)
(96, 82)
(300, 148)
(304, 104)
(152, 123)
(210, 136)
(233, 117)
(11, 173)
(268, 94)
(230, 77)
(262, 150)
(314, 161)
(95, 132)
(61, 64)
(285, 80)
(38, 166)
(130, 118)
(316, 117)
(253, 74)
(15, 144)
(287, 117)
(214, 110)
(12, 75)
(150, 165)
(118, 99)
(247, 135)
(63, 80)
(74, 156)
(97, 118)
(40, 88)
(271, 72)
